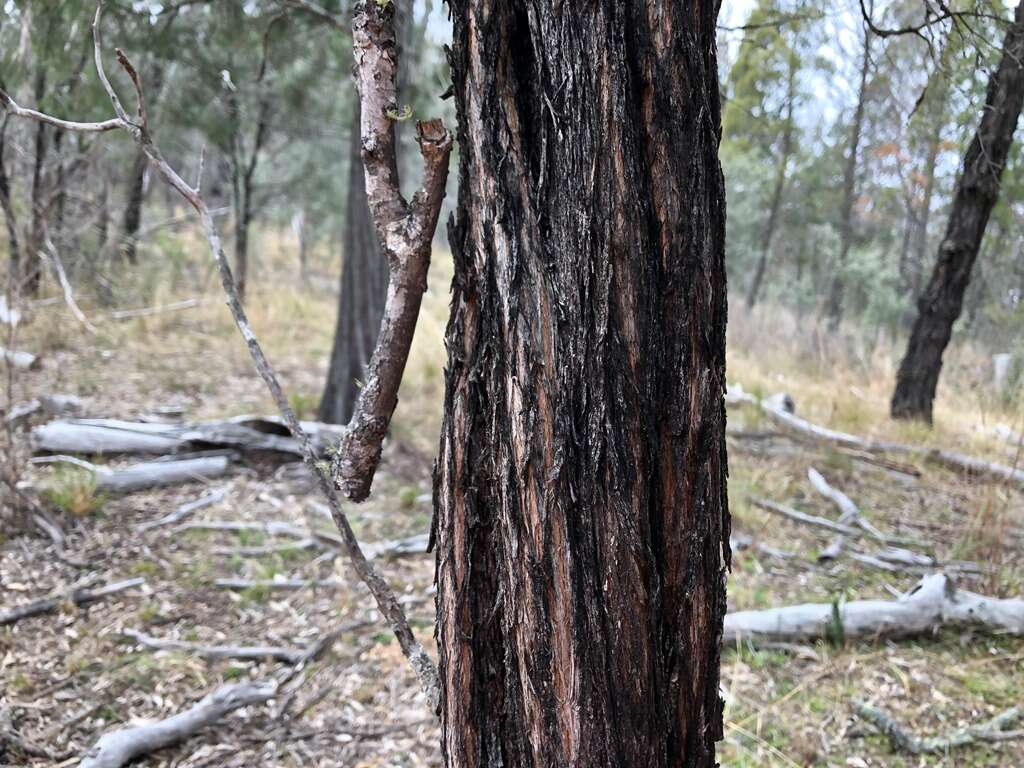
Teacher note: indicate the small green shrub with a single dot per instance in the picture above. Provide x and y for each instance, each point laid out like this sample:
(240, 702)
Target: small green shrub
(74, 490)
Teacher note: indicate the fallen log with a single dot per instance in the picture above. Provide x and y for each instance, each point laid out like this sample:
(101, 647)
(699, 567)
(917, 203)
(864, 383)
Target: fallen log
(933, 603)
(117, 748)
(243, 652)
(974, 467)
(81, 597)
(411, 545)
(902, 741)
(208, 499)
(267, 549)
(153, 474)
(18, 359)
(113, 436)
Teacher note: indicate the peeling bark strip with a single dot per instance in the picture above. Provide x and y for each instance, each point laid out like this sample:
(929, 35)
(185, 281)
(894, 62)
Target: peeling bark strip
(405, 232)
(977, 191)
(581, 519)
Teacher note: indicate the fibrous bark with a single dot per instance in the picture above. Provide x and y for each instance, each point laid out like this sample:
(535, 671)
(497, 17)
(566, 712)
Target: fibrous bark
(581, 522)
(977, 191)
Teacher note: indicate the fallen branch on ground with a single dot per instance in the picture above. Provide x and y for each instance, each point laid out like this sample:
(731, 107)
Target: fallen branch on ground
(208, 499)
(244, 652)
(275, 584)
(148, 474)
(979, 468)
(901, 741)
(80, 597)
(933, 603)
(116, 748)
(243, 433)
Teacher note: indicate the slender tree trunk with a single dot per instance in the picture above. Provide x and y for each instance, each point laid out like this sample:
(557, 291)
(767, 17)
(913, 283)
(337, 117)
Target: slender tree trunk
(364, 282)
(581, 523)
(133, 209)
(103, 217)
(31, 268)
(777, 194)
(5, 203)
(834, 304)
(137, 181)
(977, 191)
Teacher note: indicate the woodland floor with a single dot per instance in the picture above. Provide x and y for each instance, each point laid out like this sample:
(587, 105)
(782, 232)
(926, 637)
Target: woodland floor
(67, 677)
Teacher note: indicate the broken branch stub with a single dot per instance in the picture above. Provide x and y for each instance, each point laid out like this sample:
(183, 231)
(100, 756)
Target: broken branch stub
(405, 232)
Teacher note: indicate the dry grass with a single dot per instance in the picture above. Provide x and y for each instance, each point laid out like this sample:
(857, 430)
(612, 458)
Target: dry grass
(783, 710)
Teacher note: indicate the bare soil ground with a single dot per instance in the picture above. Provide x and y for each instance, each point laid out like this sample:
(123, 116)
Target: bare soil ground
(69, 676)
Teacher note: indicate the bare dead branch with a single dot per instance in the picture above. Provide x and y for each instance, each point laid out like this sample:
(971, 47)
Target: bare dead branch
(404, 231)
(243, 652)
(902, 741)
(80, 597)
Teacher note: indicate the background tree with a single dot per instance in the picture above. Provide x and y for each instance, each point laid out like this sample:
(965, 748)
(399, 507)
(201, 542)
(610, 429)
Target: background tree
(977, 192)
(582, 525)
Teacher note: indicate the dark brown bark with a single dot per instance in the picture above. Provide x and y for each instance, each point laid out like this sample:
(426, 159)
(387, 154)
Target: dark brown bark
(834, 304)
(581, 521)
(31, 268)
(977, 191)
(364, 284)
(5, 202)
(779, 188)
(133, 209)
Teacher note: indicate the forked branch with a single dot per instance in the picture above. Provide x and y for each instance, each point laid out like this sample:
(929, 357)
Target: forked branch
(405, 232)
(410, 229)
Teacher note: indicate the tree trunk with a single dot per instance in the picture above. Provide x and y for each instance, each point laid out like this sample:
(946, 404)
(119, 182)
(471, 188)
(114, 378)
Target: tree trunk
(133, 210)
(834, 304)
(137, 181)
(777, 193)
(364, 283)
(977, 191)
(5, 204)
(31, 273)
(581, 521)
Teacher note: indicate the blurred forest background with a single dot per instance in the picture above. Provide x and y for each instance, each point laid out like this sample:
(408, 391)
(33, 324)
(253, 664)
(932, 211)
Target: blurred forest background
(841, 149)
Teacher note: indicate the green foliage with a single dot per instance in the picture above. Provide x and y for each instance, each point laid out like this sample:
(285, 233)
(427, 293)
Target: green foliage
(73, 490)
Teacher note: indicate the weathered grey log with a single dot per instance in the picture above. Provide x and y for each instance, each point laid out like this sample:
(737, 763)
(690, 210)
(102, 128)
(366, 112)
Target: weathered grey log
(242, 652)
(120, 747)
(104, 436)
(245, 433)
(934, 602)
(207, 499)
(901, 741)
(152, 474)
(979, 468)
(18, 359)
(80, 597)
